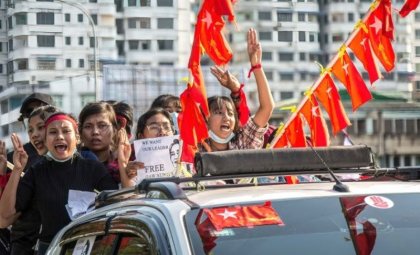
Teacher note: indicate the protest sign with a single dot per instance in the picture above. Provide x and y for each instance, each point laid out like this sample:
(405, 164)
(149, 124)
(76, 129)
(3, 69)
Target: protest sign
(159, 155)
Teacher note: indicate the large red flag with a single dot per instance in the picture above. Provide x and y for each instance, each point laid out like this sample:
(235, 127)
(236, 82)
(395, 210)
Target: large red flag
(209, 29)
(243, 216)
(360, 45)
(409, 5)
(313, 115)
(379, 24)
(327, 94)
(347, 73)
(295, 133)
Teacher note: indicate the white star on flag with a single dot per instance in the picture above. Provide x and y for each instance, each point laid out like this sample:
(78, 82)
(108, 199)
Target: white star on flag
(362, 42)
(329, 92)
(315, 111)
(345, 69)
(226, 214)
(377, 25)
(208, 20)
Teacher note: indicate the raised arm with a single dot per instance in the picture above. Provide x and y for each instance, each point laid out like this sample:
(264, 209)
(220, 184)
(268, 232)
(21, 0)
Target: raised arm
(266, 102)
(8, 212)
(128, 169)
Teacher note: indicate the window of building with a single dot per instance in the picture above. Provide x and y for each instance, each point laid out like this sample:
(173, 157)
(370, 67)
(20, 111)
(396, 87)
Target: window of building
(80, 17)
(132, 2)
(46, 40)
(93, 1)
(132, 23)
(418, 88)
(166, 63)
(285, 36)
(265, 36)
(1, 68)
(312, 17)
(21, 19)
(81, 63)
(388, 76)
(388, 126)
(22, 64)
(145, 23)
(410, 126)
(144, 2)
(133, 44)
(45, 18)
(68, 40)
(165, 44)
(302, 36)
(284, 16)
(67, 17)
(145, 44)
(286, 95)
(267, 56)
(286, 76)
(350, 17)
(361, 126)
(68, 62)
(262, 15)
(302, 56)
(120, 26)
(164, 3)
(58, 101)
(337, 17)
(301, 16)
(92, 42)
(269, 75)
(1, 47)
(86, 98)
(417, 16)
(399, 126)
(165, 23)
(303, 76)
(94, 18)
(285, 56)
(9, 68)
(313, 57)
(10, 22)
(46, 64)
(80, 40)
(337, 37)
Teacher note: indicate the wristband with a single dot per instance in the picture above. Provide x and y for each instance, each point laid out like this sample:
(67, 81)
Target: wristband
(253, 68)
(236, 96)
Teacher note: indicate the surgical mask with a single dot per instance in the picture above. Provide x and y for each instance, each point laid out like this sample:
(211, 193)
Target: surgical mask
(49, 155)
(217, 139)
(174, 116)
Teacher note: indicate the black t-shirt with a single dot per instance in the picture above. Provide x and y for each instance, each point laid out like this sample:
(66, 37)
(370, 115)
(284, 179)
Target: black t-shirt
(48, 183)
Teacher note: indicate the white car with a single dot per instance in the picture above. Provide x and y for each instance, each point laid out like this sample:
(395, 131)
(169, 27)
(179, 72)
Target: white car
(379, 215)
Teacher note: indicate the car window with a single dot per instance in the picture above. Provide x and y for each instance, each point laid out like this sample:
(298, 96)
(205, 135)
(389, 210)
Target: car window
(316, 226)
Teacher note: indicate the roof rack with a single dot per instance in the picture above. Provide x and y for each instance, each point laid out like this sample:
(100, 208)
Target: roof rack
(254, 163)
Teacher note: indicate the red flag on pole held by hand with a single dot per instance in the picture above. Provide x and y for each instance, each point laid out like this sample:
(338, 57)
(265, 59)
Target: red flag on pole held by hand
(209, 31)
(327, 94)
(379, 24)
(243, 216)
(313, 115)
(409, 6)
(347, 73)
(360, 45)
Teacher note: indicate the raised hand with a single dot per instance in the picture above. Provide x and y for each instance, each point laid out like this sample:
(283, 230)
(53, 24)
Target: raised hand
(124, 147)
(20, 157)
(132, 168)
(225, 78)
(254, 47)
(3, 158)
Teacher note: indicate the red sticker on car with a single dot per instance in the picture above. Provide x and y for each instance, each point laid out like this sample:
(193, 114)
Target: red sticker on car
(379, 202)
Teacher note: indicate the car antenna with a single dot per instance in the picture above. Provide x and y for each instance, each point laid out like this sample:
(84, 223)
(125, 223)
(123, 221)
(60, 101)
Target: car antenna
(339, 186)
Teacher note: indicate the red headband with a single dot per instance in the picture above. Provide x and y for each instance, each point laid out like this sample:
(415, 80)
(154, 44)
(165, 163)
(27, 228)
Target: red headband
(60, 117)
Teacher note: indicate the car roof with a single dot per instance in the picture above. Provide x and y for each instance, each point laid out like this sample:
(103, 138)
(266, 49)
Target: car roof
(215, 197)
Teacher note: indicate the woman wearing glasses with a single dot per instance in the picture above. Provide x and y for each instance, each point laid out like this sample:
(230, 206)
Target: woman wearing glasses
(100, 133)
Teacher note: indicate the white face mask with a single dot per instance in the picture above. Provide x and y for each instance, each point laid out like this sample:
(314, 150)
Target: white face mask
(174, 116)
(217, 139)
(51, 156)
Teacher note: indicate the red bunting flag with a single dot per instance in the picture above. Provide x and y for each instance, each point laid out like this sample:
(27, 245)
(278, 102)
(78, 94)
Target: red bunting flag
(209, 30)
(313, 115)
(409, 5)
(327, 94)
(379, 24)
(243, 216)
(347, 73)
(360, 45)
(295, 133)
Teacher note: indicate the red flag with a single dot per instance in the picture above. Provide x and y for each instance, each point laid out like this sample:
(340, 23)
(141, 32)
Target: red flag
(316, 122)
(242, 108)
(364, 240)
(409, 5)
(282, 142)
(209, 29)
(225, 7)
(381, 30)
(291, 179)
(243, 216)
(207, 233)
(363, 51)
(295, 133)
(347, 73)
(327, 94)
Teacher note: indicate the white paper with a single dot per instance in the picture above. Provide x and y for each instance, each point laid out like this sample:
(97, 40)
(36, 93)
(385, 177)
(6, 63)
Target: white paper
(84, 246)
(159, 155)
(79, 202)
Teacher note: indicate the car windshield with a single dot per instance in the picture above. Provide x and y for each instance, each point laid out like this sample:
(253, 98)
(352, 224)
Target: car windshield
(375, 224)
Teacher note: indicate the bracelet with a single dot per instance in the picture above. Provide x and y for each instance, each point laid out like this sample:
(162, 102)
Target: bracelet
(236, 96)
(253, 68)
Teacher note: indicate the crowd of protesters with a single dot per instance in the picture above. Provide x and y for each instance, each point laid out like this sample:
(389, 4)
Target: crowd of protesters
(93, 153)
